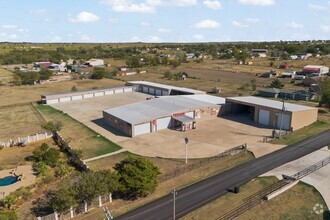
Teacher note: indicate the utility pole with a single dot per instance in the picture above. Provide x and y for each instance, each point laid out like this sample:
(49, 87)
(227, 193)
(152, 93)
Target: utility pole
(186, 140)
(281, 124)
(174, 197)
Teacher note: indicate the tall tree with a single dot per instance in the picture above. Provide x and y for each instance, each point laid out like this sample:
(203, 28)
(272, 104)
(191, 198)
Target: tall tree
(325, 92)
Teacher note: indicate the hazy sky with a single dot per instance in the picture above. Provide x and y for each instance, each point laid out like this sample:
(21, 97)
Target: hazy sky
(163, 20)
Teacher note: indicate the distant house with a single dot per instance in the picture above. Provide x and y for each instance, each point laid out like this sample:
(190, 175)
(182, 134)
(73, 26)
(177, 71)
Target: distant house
(54, 67)
(304, 56)
(288, 74)
(94, 62)
(42, 65)
(304, 96)
(310, 81)
(190, 55)
(293, 57)
(321, 70)
(270, 74)
(259, 52)
(269, 92)
(73, 69)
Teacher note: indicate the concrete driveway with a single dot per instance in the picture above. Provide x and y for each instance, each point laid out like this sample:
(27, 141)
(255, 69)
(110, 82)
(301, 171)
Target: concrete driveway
(320, 179)
(211, 137)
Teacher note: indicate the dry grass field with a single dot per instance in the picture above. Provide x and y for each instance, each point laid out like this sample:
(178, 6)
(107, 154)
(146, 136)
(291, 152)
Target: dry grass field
(19, 121)
(281, 207)
(80, 137)
(15, 156)
(18, 94)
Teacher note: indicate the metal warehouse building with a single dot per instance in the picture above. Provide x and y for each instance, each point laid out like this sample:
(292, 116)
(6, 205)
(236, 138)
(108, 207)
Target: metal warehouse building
(161, 113)
(271, 113)
(82, 94)
(157, 89)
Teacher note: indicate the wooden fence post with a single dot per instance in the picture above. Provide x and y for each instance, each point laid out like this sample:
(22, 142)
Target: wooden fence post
(71, 212)
(110, 197)
(100, 201)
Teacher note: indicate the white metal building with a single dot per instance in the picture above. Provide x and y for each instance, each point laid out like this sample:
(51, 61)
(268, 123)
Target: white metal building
(94, 62)
(158, 89)
(158, 114)
(322, 70)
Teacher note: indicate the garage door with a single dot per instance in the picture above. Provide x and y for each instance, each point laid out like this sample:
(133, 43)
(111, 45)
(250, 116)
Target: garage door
(285, 122)
(151, 91)
(163, 123)
(158, 92)
(190, 114)
(263, 117)
(66, 99)
(142, 129)
(52, 101)
(128, 90)
(164, 93)
(108, 92)
(145, 89)
(76, 97)
(98, 94)
(88, 96)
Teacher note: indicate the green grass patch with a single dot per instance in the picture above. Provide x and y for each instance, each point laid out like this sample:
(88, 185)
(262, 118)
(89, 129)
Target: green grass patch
(81, 137)
(306, 132)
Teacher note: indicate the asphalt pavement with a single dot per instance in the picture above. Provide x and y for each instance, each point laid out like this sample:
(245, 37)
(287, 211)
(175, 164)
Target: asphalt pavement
(205, 191)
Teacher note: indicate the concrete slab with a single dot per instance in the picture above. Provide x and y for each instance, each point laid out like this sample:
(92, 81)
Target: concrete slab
(320, 179)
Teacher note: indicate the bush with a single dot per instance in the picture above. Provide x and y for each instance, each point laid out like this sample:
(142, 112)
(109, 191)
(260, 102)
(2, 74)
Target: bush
(8, 215)
(47, 155)
(98, 73)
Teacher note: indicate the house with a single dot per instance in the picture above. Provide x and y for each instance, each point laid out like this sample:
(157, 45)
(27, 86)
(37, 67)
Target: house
(54, 67)
(42, 65)
(304, 95)
(190, 55)
(260, 52)
(293, 57)
(73, 69)
(288, 74)
(321, 70)
(304, 56)
(269, 92)
(270, 74)
(310, 81)
(94, 62)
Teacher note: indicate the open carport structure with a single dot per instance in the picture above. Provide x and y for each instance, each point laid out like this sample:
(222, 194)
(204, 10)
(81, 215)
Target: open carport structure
(158, 114)
(273, 114)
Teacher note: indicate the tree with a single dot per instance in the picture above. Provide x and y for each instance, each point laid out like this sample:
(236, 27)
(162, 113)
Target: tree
(325, 92)
(168, 75)
(63, 200)
(133, 62)
(17, 81)
(41, 167)
(52, 126)
(46, 154)
(74, 88)
(88, 187)
(276, 83)
(62, 168)
(175, 63)
(98, 73)
(137, 177)
(8, 215)
(45, 74)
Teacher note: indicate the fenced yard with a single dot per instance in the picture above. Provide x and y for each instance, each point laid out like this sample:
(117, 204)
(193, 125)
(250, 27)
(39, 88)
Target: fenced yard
(79, 136)
(19, 121)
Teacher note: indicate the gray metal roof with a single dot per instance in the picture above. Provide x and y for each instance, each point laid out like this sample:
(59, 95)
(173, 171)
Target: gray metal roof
(168, 87)
(80, 92)
(205, 98)
(156, 108)
(270, 103)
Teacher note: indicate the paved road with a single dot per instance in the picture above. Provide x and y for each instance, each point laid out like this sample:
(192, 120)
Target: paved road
(203, 192)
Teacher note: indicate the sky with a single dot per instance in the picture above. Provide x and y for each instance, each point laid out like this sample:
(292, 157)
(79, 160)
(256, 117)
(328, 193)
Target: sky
(163, 20)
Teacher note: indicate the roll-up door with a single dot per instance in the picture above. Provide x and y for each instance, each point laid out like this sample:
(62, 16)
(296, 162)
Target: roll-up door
(163, 123)
(76, 97)
(65, 99)
(158, 92)
(164, 93)
(285, 122)
(52, 101)
(263, 118)
(142, 129)
(152, 91)
(145, 89)
(88, 96)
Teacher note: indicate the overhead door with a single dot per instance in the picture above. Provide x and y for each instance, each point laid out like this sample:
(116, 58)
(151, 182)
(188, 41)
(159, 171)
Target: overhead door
(151, 91)
(163, 123)
(76, 97)
(118, 91)
(145, 89)
(164, 93)
(128, 90)
(65, 99)
(263, 118)
(88, 96)
(99, 94)
(108, 92)
(285, 121)
(158, 92)
(142, 129)
(190, 114)
(52, 101)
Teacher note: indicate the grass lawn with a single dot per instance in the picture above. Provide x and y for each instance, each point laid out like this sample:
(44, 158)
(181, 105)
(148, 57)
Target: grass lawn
(296, 203)
(19, 121)
(15, 156)
(119, 206)
(81, 137)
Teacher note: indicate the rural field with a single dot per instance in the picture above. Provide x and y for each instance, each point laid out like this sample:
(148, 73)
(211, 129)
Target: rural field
(19, 121)
(80, 137)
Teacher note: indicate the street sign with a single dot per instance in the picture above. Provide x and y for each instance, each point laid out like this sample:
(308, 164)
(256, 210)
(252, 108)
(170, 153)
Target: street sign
(186, 140)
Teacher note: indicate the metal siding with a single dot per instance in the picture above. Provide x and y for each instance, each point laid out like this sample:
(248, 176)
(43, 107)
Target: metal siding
(163, 123)
(76, 97)
(52, 101)
(158, 92)
(285, 122)
(65, 99)
(263, 117)
(142, 129)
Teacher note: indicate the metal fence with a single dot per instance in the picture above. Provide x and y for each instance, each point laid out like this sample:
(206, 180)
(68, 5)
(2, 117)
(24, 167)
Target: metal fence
(198, 164)
(26, 140)
(259, 197)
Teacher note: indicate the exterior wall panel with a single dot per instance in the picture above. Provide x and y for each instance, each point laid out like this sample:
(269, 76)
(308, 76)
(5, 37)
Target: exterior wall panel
(76, 97)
